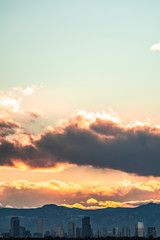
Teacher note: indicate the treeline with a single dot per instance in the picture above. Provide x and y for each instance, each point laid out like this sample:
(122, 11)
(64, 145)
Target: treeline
(87, 238)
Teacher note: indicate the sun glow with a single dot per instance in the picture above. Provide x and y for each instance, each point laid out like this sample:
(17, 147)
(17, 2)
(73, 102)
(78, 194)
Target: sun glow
(59, 167)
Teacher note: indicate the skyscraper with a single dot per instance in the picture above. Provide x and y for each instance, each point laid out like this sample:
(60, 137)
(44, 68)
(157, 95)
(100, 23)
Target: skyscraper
(151, 232)
(22, 231)
(105, 232)
(125, 232)
(115, 232)
(86, 227)
(78, 233)
(60, 231)
(40, 225)
(53, 232)
(14, 231)
(139, 229)
(71, 230)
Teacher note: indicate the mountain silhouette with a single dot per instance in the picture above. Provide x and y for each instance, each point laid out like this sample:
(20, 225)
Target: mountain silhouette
(54, 215)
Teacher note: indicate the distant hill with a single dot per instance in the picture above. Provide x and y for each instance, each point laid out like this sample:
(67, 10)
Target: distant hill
(110, 217)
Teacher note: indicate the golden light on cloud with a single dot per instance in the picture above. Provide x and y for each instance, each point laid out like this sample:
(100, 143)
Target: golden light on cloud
(79, 205)
(79, 196)
(49, 185)
(92, 201)
(59, 167)
(87, 142)
(20, 165)
(79, 123)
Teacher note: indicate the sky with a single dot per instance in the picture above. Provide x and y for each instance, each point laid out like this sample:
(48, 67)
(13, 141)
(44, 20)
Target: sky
(79, 103)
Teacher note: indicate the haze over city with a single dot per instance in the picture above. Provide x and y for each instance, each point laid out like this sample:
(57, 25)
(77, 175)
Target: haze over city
(79, 103)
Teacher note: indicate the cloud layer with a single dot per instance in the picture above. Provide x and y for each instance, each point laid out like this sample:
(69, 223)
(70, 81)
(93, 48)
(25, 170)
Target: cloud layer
(23, 193)
(94, 139)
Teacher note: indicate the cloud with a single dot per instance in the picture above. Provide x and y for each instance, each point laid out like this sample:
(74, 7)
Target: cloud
(22, 193)
(25, 91)
(10, 103)
(92, 201)
(155, 47)
(112, 204)
(81, 206)
(92, 140)
(8, 127)
(125, 204)
(35, 113)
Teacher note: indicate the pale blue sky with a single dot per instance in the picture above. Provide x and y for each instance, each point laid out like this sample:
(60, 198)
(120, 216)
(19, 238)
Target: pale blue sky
(87, 54)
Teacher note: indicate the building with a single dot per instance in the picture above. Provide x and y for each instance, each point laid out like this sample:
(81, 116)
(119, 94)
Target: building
(71, 230)
(151, 232)
(53, 233)
(40, 225)
(14, 230)
(110, 234)
(6, 235)
(28, 234)
(47, 234)
(105, 232)
(139, 229)
(86, 227)
(60, 231)
(125, 232)
(98, 234)
(37, 235)
(115, 232)
(78, 232)
(22, 232)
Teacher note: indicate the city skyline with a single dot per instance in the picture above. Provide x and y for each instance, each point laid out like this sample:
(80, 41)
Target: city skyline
(79, 103)
(73, 231)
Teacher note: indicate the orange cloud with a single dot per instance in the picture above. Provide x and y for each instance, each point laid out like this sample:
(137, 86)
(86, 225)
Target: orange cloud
(92, 201)
(21, 193)
(78, 205)
(126, 204)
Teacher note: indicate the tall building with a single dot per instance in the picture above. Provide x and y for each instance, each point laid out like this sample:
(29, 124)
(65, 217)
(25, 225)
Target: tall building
(71, 230)
(60, 231)
(53, 233)
(47, 234)
(14, 231)
(22, 231)
(151, 232)
(115, 232)
(86, 227)
(98, 234)
(139, 229)
(125, 232)
(40, 225)
(105, 232)
(78, 233)
(110, 234)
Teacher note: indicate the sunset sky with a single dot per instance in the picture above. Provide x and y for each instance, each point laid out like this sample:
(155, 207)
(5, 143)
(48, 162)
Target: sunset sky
(79, 103)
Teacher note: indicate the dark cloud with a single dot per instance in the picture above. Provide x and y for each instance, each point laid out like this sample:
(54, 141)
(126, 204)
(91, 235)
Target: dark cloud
(34, 114)
(136, 152)
(108, 128)
(7, 127)
(133, 150)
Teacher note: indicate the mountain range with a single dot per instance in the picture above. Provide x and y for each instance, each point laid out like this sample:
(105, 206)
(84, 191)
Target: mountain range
(54, 215)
